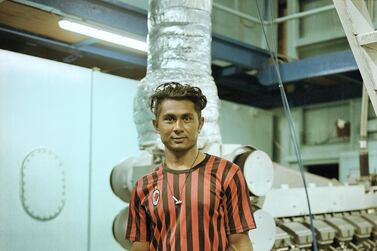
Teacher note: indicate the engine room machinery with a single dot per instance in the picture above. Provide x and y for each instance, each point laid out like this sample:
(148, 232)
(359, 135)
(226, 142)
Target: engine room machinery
(344, 215)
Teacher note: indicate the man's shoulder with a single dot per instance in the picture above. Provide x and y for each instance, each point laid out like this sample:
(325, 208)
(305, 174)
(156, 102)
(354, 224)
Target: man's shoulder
(226, 163)
(220, 159)
(224, 169)
(150, 176)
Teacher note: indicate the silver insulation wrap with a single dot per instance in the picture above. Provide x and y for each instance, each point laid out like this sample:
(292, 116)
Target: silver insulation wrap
(179, 41)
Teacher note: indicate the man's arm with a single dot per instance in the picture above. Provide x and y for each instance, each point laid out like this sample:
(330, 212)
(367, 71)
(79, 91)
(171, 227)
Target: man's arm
(140, 246)
(239, 242)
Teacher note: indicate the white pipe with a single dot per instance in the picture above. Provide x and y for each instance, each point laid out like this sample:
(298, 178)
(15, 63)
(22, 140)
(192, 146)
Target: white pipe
(237, 13)
(304, 13)
(364, 118)
(276, 20)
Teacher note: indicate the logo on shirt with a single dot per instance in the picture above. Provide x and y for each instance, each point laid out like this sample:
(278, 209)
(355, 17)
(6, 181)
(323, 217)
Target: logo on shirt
(155, 196)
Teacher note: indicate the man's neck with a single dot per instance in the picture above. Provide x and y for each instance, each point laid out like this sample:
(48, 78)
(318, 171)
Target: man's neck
(183, 160)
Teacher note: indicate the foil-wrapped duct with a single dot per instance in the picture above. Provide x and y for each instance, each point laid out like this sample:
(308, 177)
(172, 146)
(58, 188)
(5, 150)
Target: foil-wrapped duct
(179, 41)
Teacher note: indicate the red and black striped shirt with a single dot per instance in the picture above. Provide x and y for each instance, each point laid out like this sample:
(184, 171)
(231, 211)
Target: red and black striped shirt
(215, 204)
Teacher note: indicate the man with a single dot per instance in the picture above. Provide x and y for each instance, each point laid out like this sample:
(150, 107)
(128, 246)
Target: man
(193, 201)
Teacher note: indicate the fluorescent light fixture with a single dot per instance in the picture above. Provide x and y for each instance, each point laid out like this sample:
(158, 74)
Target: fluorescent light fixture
(103, 35)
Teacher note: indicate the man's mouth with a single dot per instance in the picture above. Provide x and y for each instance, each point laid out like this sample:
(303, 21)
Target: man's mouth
(178, 138)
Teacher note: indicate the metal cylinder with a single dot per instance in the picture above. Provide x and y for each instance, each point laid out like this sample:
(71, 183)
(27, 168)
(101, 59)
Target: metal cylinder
(119, 228)
(263, 237)
(257, 168)
(121, 179)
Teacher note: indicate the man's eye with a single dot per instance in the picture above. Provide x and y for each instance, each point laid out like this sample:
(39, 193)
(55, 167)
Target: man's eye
(187, 119)
(169, 119)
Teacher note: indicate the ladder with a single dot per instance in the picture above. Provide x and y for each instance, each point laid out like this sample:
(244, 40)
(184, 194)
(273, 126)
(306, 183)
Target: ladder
(362, 37)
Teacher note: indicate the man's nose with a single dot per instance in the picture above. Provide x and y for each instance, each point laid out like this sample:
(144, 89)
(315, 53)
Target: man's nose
(178, 125)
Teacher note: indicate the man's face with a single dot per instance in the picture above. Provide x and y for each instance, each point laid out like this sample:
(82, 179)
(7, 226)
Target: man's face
(178, 124)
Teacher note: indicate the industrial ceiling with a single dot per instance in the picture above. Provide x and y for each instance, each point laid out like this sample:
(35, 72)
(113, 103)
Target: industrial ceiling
(243, 73)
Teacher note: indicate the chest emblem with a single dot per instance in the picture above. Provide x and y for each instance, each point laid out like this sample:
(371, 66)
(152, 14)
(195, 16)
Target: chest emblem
(155, 196)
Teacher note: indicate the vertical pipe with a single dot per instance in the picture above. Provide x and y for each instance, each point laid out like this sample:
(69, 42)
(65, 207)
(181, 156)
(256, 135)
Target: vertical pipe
(364, 166)
(179, 46)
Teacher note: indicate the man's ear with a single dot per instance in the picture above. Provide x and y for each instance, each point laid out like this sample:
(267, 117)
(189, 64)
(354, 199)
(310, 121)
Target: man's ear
(155, 125)
(201, 123)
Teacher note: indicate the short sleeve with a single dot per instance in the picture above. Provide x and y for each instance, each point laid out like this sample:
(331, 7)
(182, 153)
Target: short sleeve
(137, 225)
(238, 211)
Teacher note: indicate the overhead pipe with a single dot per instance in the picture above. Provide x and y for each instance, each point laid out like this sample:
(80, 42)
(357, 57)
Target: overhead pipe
(237, 13)
(304, 14)
(276, 20)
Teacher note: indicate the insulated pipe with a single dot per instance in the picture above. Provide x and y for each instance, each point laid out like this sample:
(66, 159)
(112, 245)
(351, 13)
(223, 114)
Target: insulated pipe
(179, 46)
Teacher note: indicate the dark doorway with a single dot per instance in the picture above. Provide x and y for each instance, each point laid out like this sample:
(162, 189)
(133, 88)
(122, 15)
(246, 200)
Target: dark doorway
(325, 170)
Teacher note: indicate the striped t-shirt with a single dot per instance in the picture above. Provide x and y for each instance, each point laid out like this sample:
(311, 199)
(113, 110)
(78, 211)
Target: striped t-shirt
(215, 204)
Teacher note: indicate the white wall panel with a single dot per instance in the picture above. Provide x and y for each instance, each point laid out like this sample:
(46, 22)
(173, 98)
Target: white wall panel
(241, 124)
(43, 104)
(114, 138)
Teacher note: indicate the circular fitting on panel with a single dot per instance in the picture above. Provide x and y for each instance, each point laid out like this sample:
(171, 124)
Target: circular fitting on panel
(258, 171)
(121, 179)
(119, 228)
(263, 237)
(42, 184)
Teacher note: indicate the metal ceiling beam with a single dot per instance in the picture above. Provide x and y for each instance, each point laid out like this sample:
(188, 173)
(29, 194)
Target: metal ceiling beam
(126, 18)
(121, 17)
(241, 84)
(89, 49)
(238, 53)
(230, 71)
(328, 64)
(312, 95)
(124, 57)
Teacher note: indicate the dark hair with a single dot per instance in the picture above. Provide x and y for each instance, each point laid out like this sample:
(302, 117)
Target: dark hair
(177, 91)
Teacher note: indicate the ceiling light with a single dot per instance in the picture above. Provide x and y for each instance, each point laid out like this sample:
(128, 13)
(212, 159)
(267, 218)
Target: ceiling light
(103, 35)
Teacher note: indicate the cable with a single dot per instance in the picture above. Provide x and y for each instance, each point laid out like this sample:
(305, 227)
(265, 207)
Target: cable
(292, 129)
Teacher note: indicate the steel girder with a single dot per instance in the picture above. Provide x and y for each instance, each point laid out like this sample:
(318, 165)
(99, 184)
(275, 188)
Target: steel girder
(118, 15)
(123, 17)
(324, 65)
